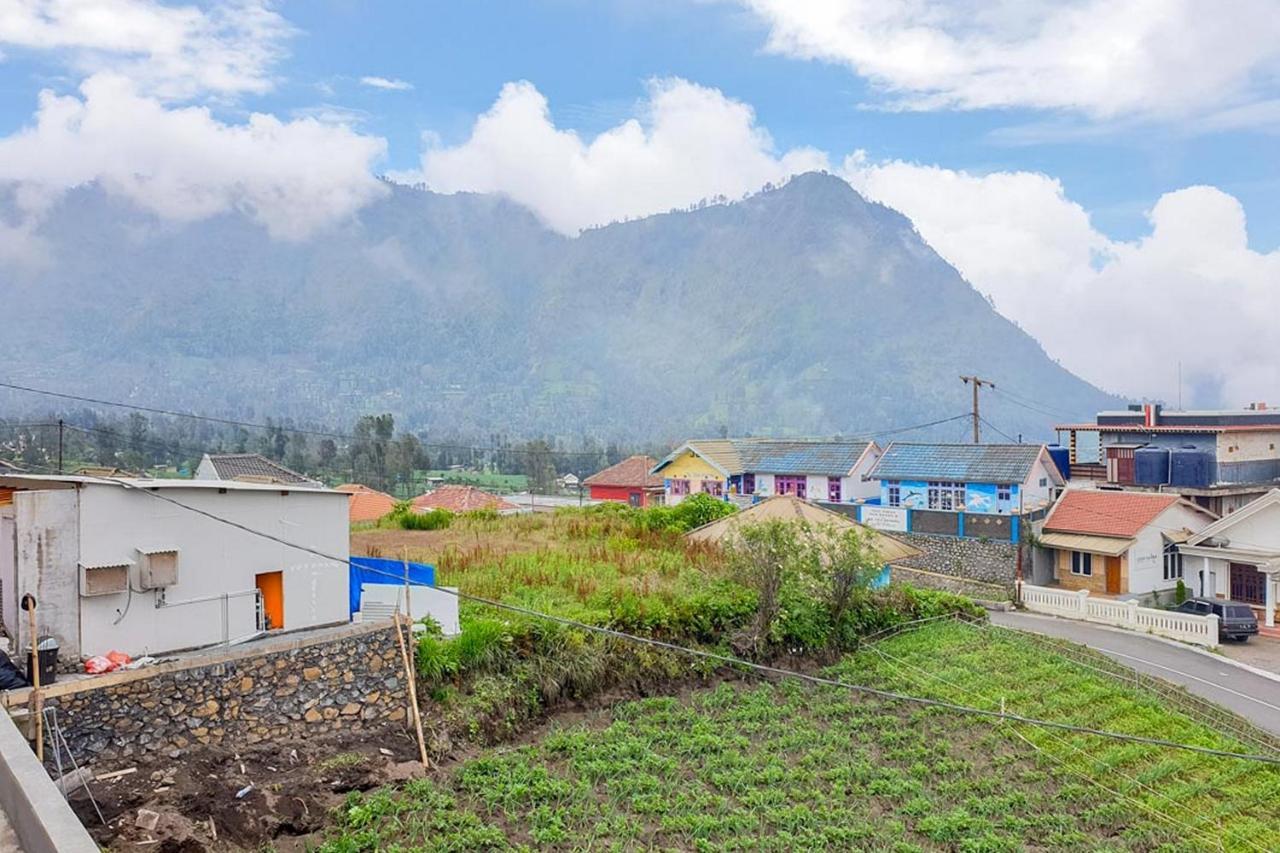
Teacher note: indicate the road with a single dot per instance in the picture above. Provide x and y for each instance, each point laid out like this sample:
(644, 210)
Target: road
(1253, 697)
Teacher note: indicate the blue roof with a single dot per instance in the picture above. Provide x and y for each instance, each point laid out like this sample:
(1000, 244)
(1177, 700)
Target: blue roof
(773, 456)
(958, 463)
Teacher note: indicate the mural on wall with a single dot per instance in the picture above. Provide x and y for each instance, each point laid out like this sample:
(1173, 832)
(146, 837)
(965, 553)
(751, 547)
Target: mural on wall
(915, 495)
(980, 497)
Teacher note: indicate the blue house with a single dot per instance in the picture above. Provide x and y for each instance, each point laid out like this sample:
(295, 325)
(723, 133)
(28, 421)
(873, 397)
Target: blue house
(967, 490)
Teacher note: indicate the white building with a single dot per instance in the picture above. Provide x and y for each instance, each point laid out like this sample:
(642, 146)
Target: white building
(133, 565)
(1238, 556)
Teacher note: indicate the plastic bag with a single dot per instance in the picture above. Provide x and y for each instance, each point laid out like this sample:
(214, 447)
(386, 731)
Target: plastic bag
(119, 658)
(97, 665)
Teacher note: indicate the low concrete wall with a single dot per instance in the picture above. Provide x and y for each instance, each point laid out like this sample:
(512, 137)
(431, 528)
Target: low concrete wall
(950, 583)
(350, 678)
(36, 810)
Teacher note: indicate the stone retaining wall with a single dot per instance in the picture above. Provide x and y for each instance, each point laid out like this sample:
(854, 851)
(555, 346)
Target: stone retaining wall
(351, 678)
(948, 583)
(987, 561)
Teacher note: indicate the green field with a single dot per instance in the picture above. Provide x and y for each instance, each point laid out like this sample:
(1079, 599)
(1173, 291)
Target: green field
(790, 766)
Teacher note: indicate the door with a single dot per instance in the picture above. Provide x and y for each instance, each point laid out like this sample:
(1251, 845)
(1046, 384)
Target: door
(1113, 576)
(271, 587)
(1247, 584)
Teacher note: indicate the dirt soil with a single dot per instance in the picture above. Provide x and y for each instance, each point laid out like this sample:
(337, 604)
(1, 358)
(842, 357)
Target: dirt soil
(202, 801)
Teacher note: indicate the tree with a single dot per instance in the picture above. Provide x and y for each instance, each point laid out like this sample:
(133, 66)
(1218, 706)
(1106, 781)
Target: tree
(763, 557)
(297, 452)
(327, 452)
(842, 565)
(539, 467)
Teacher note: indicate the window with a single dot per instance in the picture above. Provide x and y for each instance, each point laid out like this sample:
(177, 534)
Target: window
(894, 494)
(1081, 563)
(1004, 492)
(946, 496)
(789, 486)
(1172, 561)
(833, 489)
(748, 484)
(713, 487)
(679, 487)
(1044, 481)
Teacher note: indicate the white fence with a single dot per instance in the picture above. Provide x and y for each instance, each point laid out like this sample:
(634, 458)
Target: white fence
(1187, 627)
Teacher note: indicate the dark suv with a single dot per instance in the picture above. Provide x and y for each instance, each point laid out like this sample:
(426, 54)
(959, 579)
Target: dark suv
(1235, 620)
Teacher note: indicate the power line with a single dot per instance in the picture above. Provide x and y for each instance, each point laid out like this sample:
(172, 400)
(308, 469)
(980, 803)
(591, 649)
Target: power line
(722, 658)
(997, 429)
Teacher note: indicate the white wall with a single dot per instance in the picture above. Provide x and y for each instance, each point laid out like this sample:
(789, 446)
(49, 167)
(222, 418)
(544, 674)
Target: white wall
(213, 558)
(764, 485)
(8, 566)
(48, 546)
(1146, 555)
(1033, 493)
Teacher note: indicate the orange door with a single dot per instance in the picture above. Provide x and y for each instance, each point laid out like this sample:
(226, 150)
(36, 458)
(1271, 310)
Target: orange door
(1113, 576)
(271, 586)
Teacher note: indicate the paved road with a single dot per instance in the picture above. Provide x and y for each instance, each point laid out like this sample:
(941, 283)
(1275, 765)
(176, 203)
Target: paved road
(1249, 695)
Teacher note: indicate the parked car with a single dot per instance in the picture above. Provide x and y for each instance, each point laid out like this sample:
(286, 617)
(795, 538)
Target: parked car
(1235, 619)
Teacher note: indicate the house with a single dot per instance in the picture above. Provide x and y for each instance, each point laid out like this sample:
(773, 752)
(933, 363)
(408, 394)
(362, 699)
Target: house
(143, 567)
(366, 504)
(461, 499)
(249, 468)
(1221, 460)
(569, 482)
(630, 482)
(962, 490)
(1238, 556)
(1115, 542)
(820, 470)
(793, 509)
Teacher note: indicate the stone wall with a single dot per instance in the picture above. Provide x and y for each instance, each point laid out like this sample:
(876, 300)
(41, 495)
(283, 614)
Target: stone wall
(347, 678)
(949, 583)
(981, 560)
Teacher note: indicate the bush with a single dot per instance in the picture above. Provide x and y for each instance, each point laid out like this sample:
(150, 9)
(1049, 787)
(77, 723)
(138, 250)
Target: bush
(405, 517)
(1179, 592)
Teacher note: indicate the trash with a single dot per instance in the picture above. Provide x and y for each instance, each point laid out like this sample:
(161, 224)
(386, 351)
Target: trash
(11, 678)
(119, 658)
(70, 781)
(244, 792)
(115, 774)
(385, 751)
(97, 665)
(147, 819)
(145, 660)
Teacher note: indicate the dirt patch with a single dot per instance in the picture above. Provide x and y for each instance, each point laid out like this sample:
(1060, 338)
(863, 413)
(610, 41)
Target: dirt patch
(219, 799)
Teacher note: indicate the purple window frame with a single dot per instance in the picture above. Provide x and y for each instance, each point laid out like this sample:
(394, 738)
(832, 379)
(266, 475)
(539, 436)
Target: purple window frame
(833, 490)
(788, 485)
(748, 484)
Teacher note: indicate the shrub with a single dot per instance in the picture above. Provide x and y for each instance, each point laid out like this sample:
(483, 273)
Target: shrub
(405, 517)
(1179, 592)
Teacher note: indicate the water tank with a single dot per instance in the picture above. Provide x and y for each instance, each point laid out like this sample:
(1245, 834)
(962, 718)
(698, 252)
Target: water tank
(1150, 466)
(1061, 457)
(1191, 468)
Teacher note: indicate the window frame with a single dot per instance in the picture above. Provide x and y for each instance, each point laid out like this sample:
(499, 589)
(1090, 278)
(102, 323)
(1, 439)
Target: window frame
(1082, 564)
(893, 493)
(1178, 570)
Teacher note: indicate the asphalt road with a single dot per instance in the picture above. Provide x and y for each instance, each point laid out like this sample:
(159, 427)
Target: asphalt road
(1251, 696)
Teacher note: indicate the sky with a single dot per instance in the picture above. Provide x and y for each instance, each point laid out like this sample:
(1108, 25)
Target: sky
(1104, 170)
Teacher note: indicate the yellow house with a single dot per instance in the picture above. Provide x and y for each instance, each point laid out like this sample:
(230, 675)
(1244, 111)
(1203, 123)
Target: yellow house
(833, 471)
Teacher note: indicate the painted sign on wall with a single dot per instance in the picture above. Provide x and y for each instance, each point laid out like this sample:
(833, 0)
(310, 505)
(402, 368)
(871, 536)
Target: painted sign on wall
(885, 518)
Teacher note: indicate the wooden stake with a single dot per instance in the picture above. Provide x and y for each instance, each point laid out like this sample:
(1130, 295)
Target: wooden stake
(413, 692)
(37, 711)
(408, 609)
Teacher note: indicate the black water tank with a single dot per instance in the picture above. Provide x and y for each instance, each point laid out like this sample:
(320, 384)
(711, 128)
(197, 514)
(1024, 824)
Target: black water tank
(1150, 466)
(1191, 468)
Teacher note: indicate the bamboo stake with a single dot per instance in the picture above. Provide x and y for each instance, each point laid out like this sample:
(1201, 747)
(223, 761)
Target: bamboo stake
(37, 712)
(413, 692)
(408, 609)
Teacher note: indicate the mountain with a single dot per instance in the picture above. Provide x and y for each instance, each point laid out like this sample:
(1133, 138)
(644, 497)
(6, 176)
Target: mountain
(803, 309)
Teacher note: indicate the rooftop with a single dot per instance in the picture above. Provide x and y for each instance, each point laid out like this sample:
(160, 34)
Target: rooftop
(460, 499)
(1103, 512)
(253, 466)
(832, 457)
(960, 463)
(37, 480)
(367, 504)
(632, 471)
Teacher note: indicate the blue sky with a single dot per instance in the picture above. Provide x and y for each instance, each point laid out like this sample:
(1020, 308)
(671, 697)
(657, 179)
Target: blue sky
(1059, 154)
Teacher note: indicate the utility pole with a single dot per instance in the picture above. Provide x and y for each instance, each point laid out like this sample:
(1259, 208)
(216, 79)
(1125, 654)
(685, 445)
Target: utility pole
(977, 382)
(60, 425)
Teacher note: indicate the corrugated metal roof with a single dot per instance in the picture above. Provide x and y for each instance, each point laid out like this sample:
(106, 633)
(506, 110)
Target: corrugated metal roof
(961, 463)
(1106, 545)
(235, 466)
(719, 451)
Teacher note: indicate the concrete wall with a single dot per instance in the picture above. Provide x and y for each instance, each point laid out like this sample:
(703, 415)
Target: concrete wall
(349, 678)
(691, 467)
(36, 810)
(1248, 446)
(1095, 583)
(213, 558)
(47, 538)
(8, 565)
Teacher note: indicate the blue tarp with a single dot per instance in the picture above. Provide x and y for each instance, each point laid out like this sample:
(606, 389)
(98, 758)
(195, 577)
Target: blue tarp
(374, 570)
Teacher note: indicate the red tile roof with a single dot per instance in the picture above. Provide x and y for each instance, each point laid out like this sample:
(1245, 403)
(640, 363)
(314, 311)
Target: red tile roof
(367, 504)
(632, 471)
(1106, 513)
(460, 499)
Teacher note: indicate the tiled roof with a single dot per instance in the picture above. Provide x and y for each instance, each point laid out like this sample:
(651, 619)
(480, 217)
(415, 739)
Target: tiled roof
(367, 504)
(781, 456)
(632, 471)
(1106, 513)
(256, 467)
(961, 463)
(460, 499)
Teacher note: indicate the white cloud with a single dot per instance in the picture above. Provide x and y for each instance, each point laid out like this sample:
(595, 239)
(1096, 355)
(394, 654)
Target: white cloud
(1104, 58)
(293, 177)
(1121, 314)
(168, 51)
(689, 142)
(389, 83)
